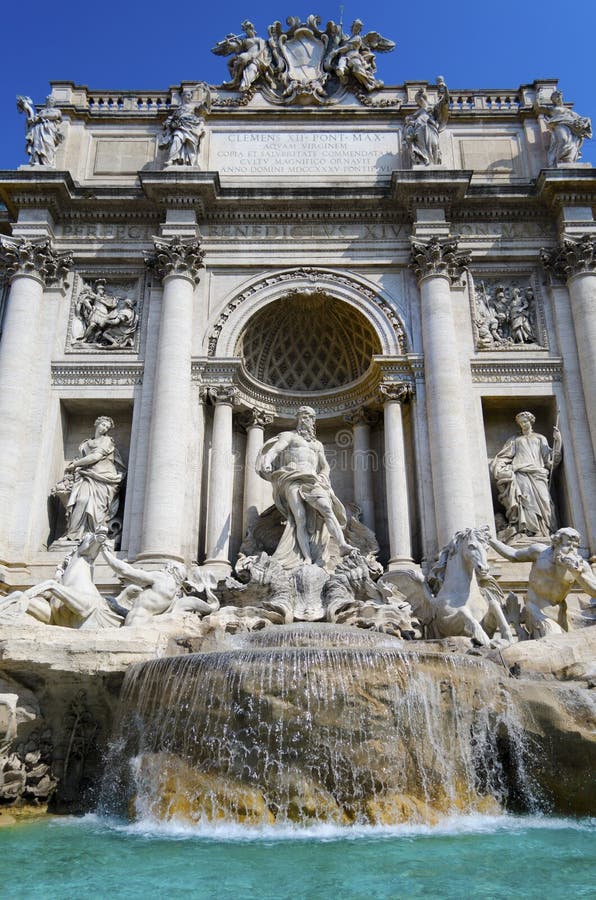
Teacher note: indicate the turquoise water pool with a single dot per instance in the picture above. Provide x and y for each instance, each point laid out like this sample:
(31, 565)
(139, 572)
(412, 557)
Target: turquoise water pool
(479, 857)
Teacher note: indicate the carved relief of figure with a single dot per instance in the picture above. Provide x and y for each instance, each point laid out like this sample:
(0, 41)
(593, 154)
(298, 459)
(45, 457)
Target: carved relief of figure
(422, 128)
(294, 462)
(555, 570)
(568, 130)
(183, 129)
(522, 470)
(108, 321)
(251, 59)
(44, 134)
(505, 317)
(92, 482)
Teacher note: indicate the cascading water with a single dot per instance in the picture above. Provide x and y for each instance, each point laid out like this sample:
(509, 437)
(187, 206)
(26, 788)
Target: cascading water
(316, 723)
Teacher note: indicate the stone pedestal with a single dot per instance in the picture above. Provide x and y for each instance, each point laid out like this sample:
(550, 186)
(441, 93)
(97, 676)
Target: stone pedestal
(178, 263)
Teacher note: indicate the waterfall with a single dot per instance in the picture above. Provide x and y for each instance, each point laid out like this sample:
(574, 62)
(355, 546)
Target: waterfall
(316, 723)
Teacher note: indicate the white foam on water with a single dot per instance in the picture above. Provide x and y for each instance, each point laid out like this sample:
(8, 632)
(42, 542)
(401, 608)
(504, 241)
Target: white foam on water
(325, 832)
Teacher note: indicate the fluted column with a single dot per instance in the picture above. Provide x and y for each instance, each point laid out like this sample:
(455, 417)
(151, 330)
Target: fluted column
(254, 422)
(576, 261)
(437, 264)
(392, 395)
(221, 480)
(30, 266)
(177, 262)
(361, 419)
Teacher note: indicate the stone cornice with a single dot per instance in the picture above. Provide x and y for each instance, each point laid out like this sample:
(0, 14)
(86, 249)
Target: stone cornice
(439, 257)
(566, 187)
(571, 257)
(35, 258)
(516, 372)
(79, 373)
(415, 188)
(176, 256)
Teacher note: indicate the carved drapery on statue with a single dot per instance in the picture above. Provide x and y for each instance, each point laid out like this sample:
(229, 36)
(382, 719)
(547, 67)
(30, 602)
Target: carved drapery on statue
(422, 127)
(567, 130)
(44, 132)
(184, 128)
(104, 319)
(303, 63)
(506, 316)
(522, 470)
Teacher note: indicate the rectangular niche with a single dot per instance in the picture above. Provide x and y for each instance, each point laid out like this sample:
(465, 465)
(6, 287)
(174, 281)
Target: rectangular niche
(122, 156)
(77, 418)
(499, 425)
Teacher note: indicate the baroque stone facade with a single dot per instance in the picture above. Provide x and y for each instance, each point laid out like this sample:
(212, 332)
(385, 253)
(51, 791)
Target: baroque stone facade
(414, 263)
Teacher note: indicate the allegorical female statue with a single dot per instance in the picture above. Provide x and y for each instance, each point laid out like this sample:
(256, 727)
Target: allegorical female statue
(522, 470)
(92, 482)
(422, 128)
(184, 129)
(43, 131)
(568, 130)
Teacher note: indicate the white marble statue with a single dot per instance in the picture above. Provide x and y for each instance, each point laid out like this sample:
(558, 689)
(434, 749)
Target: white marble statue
(44, 133)
(251, 58)
(422, 128)
(91, 484)
(568, 130)
(522, 470)
(354, 57)
(69, 600)
(505, 316)
(184, 128)
(168, 591)
(556, 569)
(105, 320)
(460, 597)
(294, 462)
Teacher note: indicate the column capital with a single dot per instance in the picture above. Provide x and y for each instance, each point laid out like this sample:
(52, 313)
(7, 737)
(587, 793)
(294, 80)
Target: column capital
(439, 257)
(178, 256)
(34, 258)
(363, 415)
(571, 257)
(220, 394)
(395, 391)
(255, 418)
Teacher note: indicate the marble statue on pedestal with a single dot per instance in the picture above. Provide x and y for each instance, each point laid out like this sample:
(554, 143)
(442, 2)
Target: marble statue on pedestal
(522, 470)
(184, 128)
(44, 134)
(91, 485)
(568, 130)
(251, 57)
(422, 128)
(556, 569)
(355, 56)
(294, 462)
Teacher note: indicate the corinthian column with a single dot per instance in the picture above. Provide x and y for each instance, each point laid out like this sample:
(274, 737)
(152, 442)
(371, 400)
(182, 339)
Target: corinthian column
(254, 422)
(361, 419)
(576, 261)
(177, 262)
(30, 266)
(221, 480)
(392, 395)
(437, 264)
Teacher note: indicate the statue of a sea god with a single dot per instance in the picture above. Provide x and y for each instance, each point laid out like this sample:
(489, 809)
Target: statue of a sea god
(295, 464)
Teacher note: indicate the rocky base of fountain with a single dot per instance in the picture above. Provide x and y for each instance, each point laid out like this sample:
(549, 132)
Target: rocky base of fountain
(59, 697)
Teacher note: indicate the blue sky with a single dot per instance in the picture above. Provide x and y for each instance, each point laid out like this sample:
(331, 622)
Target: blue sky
(150, 45)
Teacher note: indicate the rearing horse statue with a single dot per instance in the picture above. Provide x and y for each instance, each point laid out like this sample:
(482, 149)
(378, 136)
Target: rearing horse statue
(460, 596)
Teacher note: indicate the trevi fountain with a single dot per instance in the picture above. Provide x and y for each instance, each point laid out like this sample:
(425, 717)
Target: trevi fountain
(298, 497)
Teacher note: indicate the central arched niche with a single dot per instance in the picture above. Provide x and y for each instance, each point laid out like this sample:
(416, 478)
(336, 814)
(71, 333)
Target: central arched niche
(308, 342)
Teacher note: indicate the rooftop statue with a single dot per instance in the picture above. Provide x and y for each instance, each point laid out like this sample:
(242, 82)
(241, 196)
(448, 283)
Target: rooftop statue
(568, 130)
(44, 134)
(185, 127)
(303, 62)
(422, 128)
